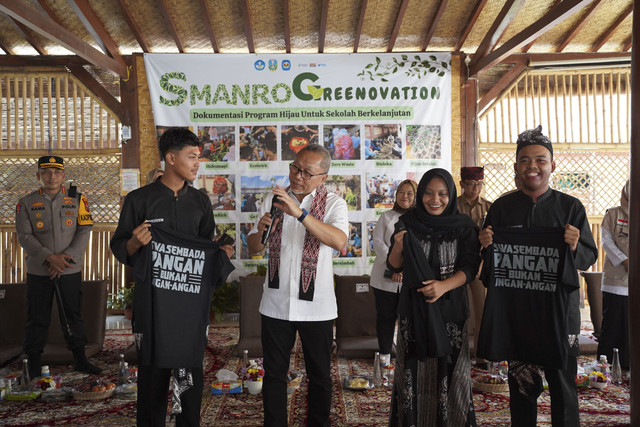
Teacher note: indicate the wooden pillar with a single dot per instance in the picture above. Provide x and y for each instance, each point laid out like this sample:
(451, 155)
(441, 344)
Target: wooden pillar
(129, 100)
(634, 223)
(469, 117)
(130, 148)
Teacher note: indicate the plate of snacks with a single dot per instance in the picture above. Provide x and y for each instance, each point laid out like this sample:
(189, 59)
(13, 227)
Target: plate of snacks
(358, 383)
(94, 390)
(490, 384)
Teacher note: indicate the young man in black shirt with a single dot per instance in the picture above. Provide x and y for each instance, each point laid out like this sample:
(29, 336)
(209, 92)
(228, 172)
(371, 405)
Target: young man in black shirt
(172, 203)
(537, 205)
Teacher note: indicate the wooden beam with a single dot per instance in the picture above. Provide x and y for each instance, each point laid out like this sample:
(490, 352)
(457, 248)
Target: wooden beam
(397, 25)
(93, 24)
(135, 29)
(42, 61)
(497, 30)
(628, 44)
(322, 33)
(162, 6)
(85, 22)
(527, 47)
(248, 27)
(363, 10)
(434, 23)
(98, 90)
(573, 32)
(6, 50)
(43, 25)
(287, 27)
(209, 26)
(565, 56)
(502, 84)
(28, 36)
(612, 29)
(552, 18)
(47, 9)
(470, 23)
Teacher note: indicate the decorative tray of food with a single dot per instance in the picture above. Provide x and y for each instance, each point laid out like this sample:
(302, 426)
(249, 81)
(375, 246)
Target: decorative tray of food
(95, 390)
(358, 383)
(490, 384)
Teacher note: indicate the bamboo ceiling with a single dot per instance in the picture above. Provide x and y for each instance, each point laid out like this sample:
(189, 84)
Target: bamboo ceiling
(101, 32)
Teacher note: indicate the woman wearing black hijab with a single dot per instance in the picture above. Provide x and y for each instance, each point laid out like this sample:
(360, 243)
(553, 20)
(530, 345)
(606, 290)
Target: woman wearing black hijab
(437, 250)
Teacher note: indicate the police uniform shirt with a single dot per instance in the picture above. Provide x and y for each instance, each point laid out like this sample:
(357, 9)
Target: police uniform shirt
(55, 224)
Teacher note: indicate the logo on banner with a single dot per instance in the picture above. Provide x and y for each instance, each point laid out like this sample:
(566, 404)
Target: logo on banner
(273, 64)
(286, 65)
(259, 65)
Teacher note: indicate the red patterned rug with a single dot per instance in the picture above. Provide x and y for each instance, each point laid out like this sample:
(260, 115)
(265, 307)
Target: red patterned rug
(370, 408)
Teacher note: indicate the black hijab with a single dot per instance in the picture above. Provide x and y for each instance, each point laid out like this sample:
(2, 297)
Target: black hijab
(429, 319)
(451, 219)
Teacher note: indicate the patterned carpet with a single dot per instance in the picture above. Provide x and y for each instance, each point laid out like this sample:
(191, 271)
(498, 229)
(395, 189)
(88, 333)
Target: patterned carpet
(608, 407)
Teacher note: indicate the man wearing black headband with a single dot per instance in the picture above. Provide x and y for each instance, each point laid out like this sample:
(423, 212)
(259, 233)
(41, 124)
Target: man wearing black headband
(537, 205)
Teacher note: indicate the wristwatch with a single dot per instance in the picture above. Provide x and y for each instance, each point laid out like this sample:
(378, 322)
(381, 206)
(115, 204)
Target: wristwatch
(303, 216)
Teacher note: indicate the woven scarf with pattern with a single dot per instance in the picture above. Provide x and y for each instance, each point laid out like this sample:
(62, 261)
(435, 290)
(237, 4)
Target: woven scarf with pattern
(311, 249)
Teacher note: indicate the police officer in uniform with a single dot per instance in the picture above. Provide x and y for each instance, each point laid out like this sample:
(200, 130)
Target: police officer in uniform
(53, 228)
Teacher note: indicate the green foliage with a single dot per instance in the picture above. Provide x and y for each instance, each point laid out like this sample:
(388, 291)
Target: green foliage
(418, 67)
(123, 299)
(261, 270)
(226, 299)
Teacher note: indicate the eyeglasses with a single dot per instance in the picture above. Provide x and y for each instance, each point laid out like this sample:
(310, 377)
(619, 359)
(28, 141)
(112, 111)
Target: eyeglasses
(473, 184)
(305, 175)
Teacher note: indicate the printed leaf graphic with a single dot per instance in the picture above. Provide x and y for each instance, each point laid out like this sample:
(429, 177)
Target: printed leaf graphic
(316, 92)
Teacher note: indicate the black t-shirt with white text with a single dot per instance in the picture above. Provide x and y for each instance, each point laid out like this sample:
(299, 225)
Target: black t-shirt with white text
(175, 279)
(529, 274)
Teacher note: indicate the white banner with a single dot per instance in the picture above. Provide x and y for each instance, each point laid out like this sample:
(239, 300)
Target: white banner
(384, 117)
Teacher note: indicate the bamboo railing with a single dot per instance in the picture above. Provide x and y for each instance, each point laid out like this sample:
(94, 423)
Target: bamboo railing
(98, 262)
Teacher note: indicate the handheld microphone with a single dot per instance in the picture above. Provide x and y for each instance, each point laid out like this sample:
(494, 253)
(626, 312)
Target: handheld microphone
(272, 212)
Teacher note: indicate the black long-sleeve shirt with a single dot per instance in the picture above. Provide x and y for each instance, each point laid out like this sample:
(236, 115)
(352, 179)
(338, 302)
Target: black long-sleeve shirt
(189, 213)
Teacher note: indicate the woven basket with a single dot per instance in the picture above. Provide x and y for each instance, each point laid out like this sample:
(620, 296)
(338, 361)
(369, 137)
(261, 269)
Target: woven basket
(92, 395)
(490, 388)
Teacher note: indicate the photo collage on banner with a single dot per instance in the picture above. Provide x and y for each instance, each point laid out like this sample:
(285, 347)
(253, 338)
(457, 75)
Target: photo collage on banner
(383, 118)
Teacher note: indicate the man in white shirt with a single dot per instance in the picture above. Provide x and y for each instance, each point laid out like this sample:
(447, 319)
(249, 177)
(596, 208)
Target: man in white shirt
(298, 293)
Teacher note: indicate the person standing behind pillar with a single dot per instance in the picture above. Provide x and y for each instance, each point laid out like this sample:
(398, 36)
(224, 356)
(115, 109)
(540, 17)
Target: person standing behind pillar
(386, 285)
(615, 281)
(471, 203)
(536, 204)
(53, 228)
(298, 294)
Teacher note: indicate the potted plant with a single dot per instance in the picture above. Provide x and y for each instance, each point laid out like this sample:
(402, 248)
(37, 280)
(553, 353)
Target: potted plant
(123, 300)
(225, 300)
(252, 375)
